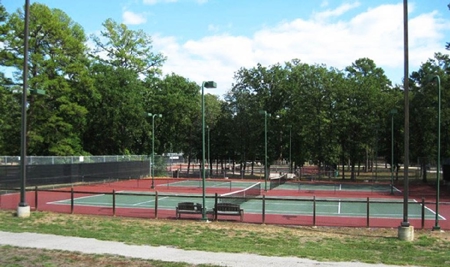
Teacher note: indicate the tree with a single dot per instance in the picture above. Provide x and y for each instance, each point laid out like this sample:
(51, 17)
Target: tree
(9, 102)
(57, 61)
(242, 120)
(127, 49)
(117, 118)
(125, 71)
(424, 110)
(178, 100)
(364, 110)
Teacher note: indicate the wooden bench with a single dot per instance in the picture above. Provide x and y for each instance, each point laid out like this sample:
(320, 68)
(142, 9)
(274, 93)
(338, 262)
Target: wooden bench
(188, 208)
(228, 209)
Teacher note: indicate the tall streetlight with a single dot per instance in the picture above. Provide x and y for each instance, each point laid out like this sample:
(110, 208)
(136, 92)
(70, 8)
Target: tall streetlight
(23, 210)
(393, 112)
(153, 145)
(266, 114)
(208, 84)
(405, 223)
(438, 168)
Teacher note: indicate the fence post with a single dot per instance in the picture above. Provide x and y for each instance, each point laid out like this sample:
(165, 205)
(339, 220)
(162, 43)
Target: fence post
(114, 202)
(314, 211)
(423, 212)
(71, 200)
(36, 197)
(264, 209)
(368, 212)
(156, 204)
(215, 207)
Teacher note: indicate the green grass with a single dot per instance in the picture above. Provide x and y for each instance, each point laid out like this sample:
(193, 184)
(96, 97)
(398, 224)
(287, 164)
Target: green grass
(48, 258)
(323, 243)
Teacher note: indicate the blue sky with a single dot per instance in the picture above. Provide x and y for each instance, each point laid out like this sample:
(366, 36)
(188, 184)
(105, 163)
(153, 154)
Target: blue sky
(212, 39)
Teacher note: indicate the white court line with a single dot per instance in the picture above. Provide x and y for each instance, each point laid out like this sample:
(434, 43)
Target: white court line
(68, 199)
(432, 211)
(148, 201)
(396, 189)
(171, 183)
(339, 207)
(219, 184)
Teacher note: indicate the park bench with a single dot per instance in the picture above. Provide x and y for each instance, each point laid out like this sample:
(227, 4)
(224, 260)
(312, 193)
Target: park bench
(188, 208)
(228, 209)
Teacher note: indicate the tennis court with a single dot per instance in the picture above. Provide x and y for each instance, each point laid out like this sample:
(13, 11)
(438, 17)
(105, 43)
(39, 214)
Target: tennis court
(379, 208)
(286, 202)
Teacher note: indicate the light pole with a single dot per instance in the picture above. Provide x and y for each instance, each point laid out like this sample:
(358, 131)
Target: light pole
(393, 112)
(208, 84)
(405, 223)
(438, 167)
(266, 114)
(23, 210)
(153, 146)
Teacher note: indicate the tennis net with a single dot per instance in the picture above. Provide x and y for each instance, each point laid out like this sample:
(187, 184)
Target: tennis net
(275, 182)
(241, 196)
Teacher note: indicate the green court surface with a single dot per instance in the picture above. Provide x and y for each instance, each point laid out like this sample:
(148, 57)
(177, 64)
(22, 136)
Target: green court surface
(379, 188)
(324, 207)
(208, 184)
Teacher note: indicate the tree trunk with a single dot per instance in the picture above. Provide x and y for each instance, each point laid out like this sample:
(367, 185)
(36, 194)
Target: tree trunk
(189, 165)
(353, 174)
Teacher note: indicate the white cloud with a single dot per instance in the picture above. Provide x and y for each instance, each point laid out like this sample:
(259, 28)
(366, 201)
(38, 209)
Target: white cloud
(213, 28)
(154, 2)
(130, 18)
(376, 33)
(324, 3)
(335, 12)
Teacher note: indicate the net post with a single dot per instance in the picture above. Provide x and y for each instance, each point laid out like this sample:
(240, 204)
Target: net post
(156, 204)
(114, 202)
(368, 213)
(36, 197)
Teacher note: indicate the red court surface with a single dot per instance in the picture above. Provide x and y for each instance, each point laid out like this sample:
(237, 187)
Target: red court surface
(44, 198)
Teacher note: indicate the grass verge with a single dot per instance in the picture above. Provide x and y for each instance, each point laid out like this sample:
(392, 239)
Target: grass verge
(322, 243)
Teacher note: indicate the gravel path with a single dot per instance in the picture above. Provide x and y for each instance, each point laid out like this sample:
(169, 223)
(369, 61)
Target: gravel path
(93, 246)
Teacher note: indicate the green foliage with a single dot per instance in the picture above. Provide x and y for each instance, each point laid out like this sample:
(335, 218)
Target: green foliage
(127, 49)
(96, 102)
(55, 121)
(115, 124)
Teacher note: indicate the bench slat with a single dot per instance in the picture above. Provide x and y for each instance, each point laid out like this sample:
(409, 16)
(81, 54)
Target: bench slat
(228, 209)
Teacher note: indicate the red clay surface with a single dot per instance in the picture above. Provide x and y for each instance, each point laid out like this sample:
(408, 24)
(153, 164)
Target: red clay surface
(417, 192)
